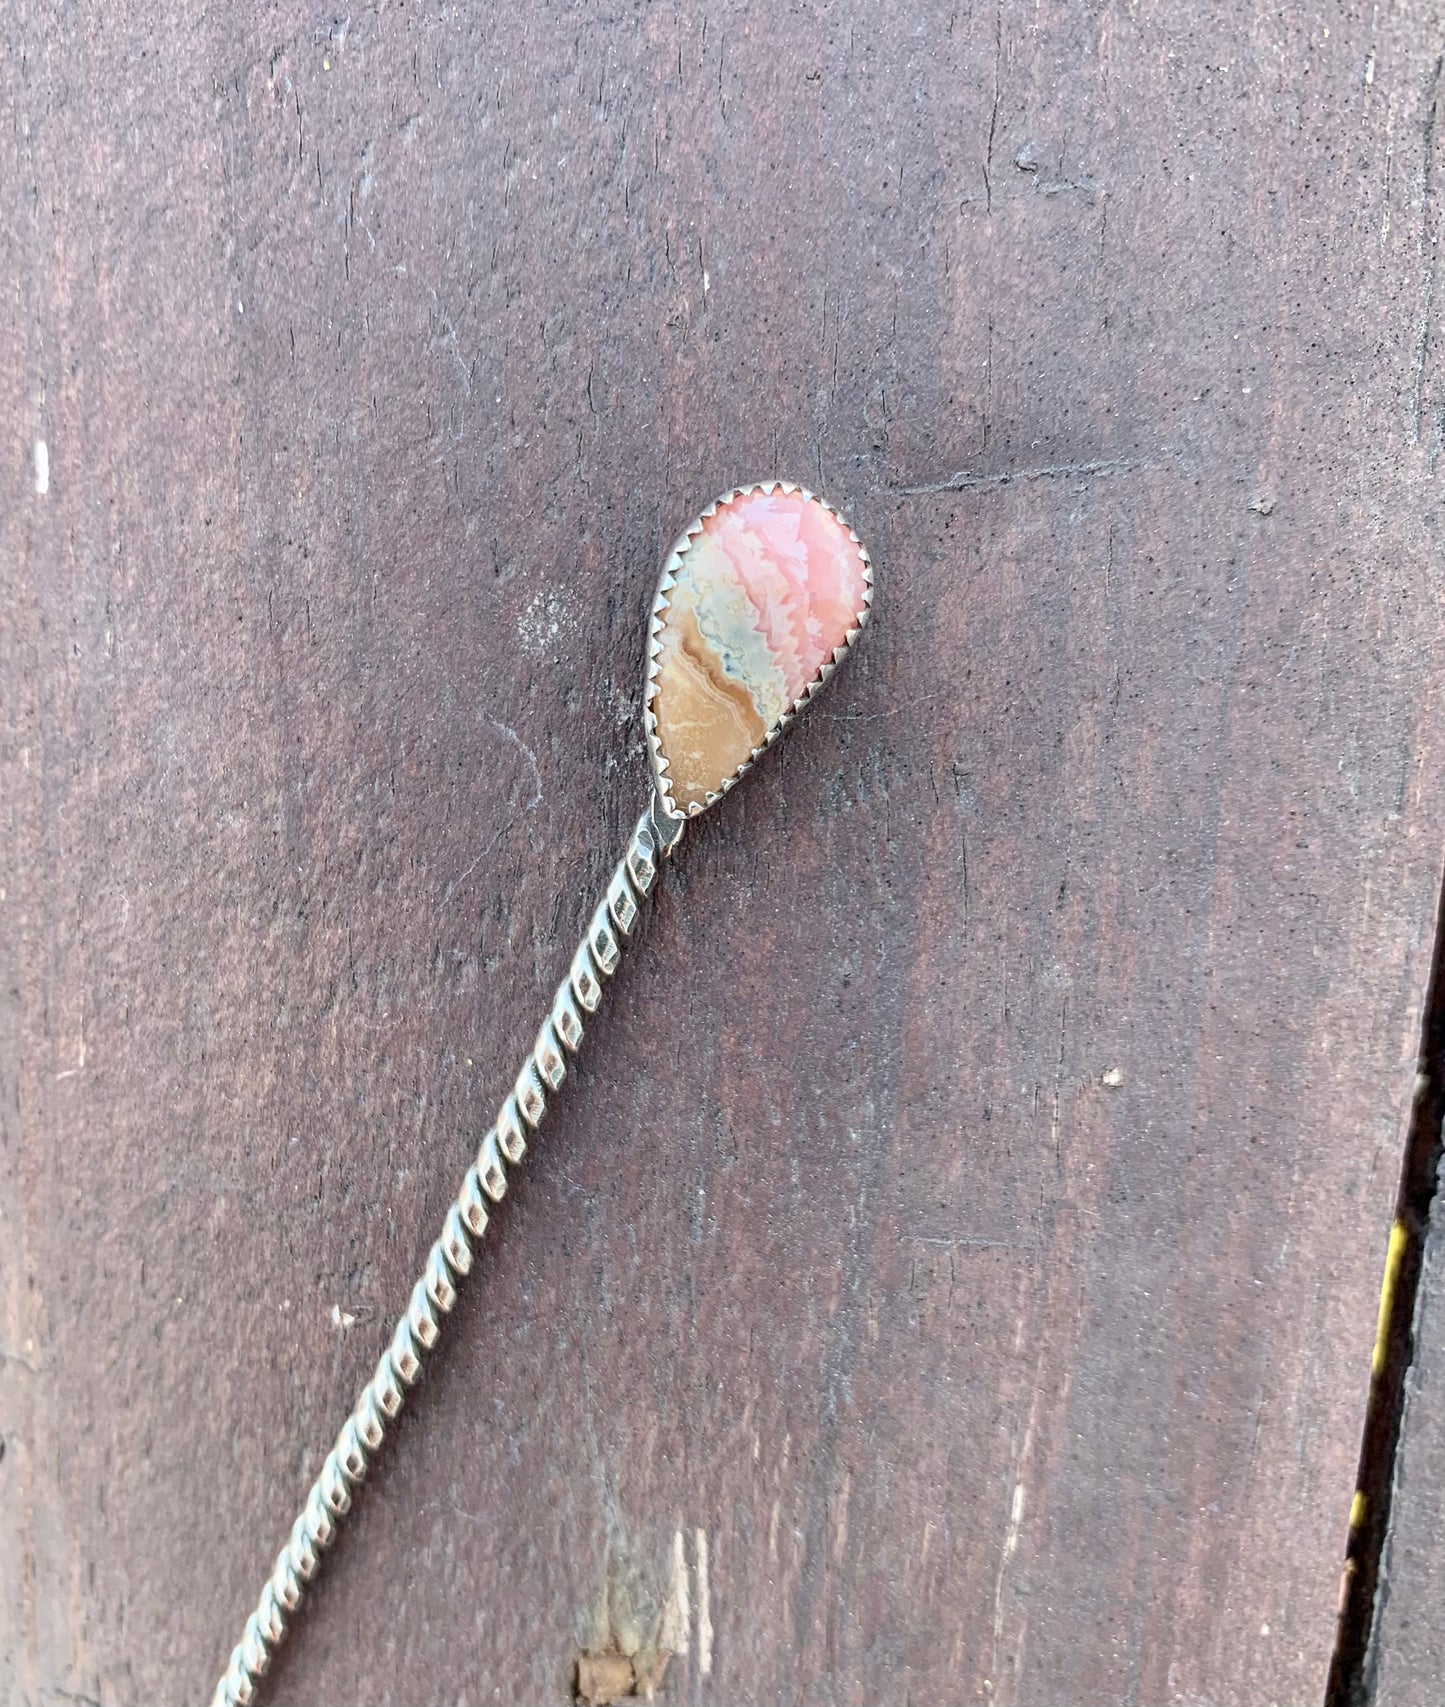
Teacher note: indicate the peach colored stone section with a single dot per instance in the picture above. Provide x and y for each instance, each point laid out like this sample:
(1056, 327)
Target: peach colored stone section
(764, 594)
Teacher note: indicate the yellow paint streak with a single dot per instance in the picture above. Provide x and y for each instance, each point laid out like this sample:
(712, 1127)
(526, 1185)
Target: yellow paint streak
(1394, 1257)
(1359, 1506)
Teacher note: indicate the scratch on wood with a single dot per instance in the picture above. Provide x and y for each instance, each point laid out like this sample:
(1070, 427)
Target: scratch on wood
(968, 478)
(675, 1629)
(993, 111)
(1428, 249)
(704, 1607)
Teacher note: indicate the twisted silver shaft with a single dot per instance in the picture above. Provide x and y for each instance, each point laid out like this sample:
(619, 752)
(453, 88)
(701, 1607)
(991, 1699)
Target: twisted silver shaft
(450, 1258)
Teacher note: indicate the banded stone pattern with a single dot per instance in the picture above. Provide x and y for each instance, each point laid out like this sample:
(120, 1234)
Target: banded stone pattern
(760, 601)
(450, 1258)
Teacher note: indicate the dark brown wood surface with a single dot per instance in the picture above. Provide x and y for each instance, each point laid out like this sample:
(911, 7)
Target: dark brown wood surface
(951, 1276)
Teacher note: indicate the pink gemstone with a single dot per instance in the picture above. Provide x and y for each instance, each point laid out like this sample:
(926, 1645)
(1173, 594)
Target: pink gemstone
(765, 593)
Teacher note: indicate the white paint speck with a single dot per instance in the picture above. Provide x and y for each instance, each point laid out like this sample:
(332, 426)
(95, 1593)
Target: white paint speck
(540, 624)
(342, 1318)
(1113, 1077)
(42, 467)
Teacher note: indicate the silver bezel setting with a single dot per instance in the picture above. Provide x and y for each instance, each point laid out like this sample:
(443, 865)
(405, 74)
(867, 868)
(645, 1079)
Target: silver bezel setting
(660, 604)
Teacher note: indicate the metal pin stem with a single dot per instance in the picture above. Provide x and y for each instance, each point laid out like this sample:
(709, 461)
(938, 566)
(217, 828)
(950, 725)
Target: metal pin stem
(450, 1258)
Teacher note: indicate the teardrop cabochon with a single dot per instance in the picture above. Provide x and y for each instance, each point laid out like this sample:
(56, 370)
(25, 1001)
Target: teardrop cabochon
(759, 602)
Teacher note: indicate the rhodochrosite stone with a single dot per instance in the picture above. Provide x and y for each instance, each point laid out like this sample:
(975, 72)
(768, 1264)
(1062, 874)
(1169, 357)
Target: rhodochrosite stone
(767, 591)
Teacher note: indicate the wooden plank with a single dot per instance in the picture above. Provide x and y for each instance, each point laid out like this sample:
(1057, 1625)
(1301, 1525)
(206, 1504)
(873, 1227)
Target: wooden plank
(1364, 1589)
(1407, 1650)
(956, 1261)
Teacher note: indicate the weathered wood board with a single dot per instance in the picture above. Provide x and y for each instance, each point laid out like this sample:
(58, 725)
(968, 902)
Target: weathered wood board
(1408, 1650)
(951, 1276)
(1404, 1661)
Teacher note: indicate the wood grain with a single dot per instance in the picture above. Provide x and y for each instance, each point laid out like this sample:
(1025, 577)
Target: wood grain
(955, 1263)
